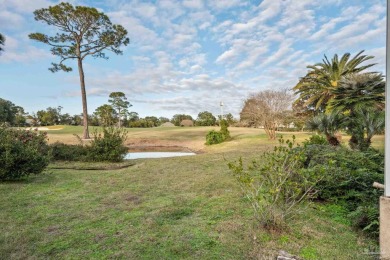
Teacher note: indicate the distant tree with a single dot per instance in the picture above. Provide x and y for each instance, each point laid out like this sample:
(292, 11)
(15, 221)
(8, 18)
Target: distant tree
(93, 120)
(152, 120)
(50, 116)
(20, 116)
(163, 120)
(84, 31)
(2, 41)
(133, 116)
(66, 119)
(266, 109)
(119, 102)
(287, 118)
(176, 119)
(106, 114)
(205, 118)
(7, 112)
(229, 119)
(302, 114)
(77, 120)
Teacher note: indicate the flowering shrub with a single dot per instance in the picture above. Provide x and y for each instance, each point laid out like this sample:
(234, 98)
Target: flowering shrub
(22, 152)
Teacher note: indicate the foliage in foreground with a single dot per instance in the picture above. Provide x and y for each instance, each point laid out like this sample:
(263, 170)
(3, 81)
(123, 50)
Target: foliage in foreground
(22, 152)
(214, 137)
(277, 183)
(348, 181)
(107, 145)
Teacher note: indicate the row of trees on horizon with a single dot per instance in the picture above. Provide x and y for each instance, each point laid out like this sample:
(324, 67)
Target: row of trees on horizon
(113, 114)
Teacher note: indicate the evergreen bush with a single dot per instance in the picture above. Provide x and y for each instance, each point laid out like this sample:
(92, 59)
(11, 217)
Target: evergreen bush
(22, 152)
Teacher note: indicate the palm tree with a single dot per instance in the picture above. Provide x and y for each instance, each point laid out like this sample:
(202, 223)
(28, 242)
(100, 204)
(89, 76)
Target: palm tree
(328, 124)
(366, 123)
(317, 87)
(2, 40)
(359, 91)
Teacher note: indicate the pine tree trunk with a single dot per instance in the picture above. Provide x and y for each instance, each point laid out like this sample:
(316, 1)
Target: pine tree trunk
(84, 100)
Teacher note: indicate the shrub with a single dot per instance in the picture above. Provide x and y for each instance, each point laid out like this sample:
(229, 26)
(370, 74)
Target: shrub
(22, 152)
(214, 137)
(66, 152)
(316, 139)
(349, 180)
(108, 145)
(224, 129)
(277, 183)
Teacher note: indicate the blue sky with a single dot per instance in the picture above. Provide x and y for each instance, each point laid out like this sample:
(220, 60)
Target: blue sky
(187, 56)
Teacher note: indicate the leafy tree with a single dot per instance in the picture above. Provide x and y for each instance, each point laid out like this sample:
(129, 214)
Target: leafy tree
(65, 119)
(50, 116)
(20, 116)
(230, 119)
(163, 120)
(119, 103)
(7, 111)
(106, 114)
(317, 88)
(205, 119)
(328, 124)
(266, 109)
(77, 120)
(176, 119)
(153, 120)
(2, 41)
(84, 31)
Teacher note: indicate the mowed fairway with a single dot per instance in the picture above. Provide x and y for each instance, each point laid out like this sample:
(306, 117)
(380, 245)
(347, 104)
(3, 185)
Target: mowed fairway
(170, 208)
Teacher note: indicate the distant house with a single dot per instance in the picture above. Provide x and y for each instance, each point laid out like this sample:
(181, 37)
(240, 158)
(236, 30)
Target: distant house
(187, 122)
(167, 124)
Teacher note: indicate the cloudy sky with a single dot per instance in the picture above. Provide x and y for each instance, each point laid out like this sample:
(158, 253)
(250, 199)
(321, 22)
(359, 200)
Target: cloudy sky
(188, 56)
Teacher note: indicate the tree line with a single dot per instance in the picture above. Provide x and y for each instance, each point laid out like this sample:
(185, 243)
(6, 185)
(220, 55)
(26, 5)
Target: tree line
(115, 113)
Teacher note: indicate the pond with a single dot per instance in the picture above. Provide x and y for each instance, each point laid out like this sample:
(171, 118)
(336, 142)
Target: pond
(144, 155)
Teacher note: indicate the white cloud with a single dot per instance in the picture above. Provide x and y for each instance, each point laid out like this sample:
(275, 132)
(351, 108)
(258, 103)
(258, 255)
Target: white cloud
(196, 4)
(9, 18)
(225, 4)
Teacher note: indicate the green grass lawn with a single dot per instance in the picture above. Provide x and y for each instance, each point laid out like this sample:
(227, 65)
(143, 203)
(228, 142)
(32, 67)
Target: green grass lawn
(171, 208)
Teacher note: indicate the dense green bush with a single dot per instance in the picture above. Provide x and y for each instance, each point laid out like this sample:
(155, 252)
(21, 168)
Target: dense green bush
(22, 152)
(349, 180)
(66, 152)
(214, 137)
(224, 129)
(277, 183)
(108, 145)
(316, 139)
